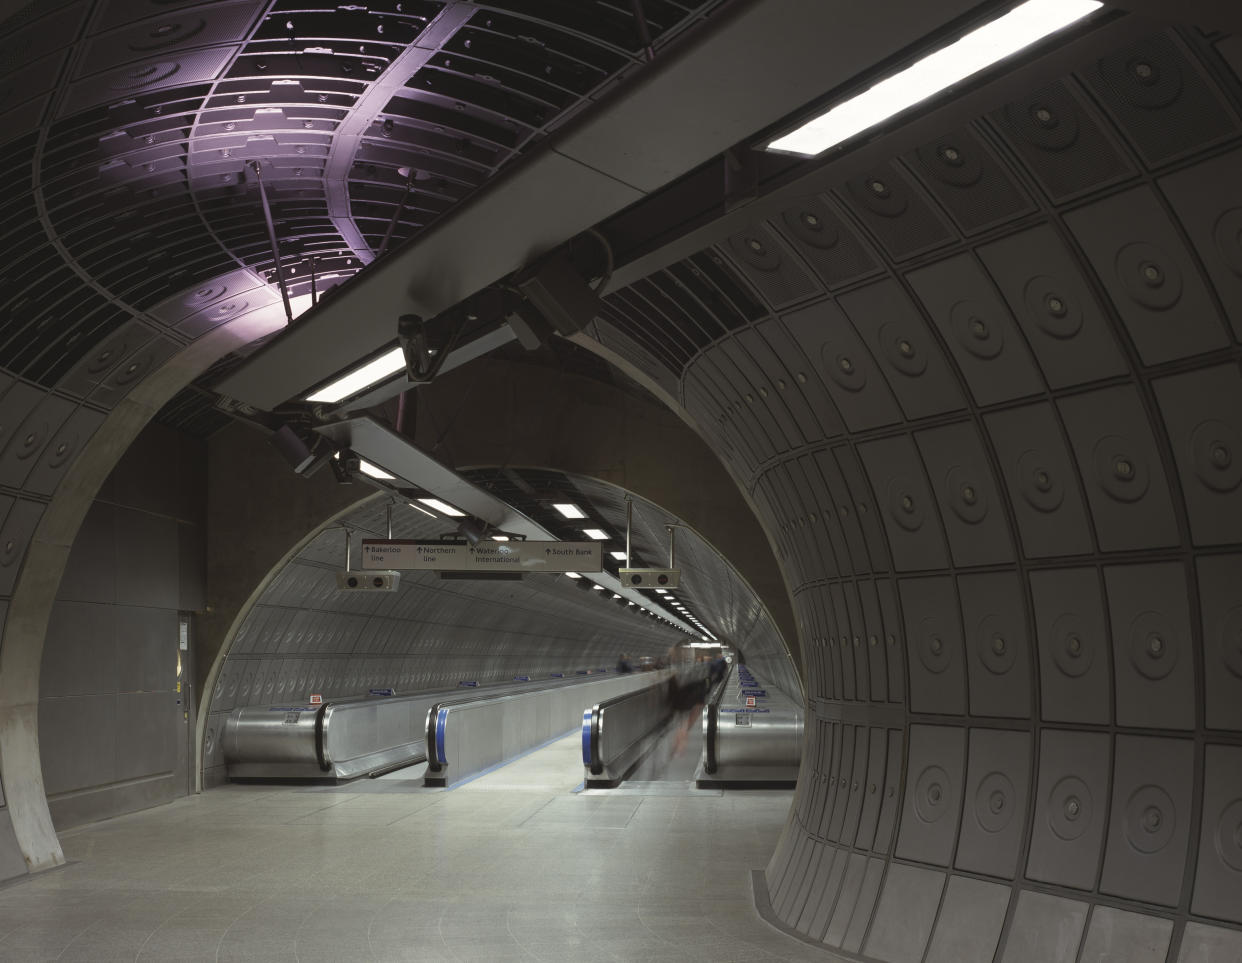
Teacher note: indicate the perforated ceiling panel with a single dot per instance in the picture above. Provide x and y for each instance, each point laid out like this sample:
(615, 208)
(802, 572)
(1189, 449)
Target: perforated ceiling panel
(989, 416)
(134, 134)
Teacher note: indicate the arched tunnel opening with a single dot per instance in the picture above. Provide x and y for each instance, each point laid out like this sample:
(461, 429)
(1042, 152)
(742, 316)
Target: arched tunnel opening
(941, 404)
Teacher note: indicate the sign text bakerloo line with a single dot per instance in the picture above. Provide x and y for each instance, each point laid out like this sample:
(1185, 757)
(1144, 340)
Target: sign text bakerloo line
(517, 556)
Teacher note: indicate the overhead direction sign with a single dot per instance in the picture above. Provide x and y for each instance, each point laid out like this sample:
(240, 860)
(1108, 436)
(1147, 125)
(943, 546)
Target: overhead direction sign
(486, 556)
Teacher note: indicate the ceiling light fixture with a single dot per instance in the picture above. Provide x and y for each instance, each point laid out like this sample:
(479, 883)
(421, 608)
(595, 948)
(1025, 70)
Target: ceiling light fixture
(443, 507)
(982, 47)
(596, 533)
(569, 510)
(375, 472)
(619, 556)
(572, 575)
(419, 508)
(373, 372)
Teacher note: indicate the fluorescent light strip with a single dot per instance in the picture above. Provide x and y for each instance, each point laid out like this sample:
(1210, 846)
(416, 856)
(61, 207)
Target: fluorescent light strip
(981, 48)
(570, 510)
(596, 533)
(375, 472)
(419, 508)
(619, 556)
(373, 372)
(572, 575)
(500, 538)
(443, 508)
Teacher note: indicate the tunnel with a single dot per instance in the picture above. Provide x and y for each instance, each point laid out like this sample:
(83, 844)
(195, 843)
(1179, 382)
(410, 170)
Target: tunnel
(935, 406)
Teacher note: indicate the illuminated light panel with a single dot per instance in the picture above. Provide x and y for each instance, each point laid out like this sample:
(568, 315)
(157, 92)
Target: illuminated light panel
(968, 55)
(443, 508)
(572, 575)
(570, 510)
(596, 533)
(419, 508)
(373, 372)
(619, 556)
(598, 588)
(367, 468)
(500, 538)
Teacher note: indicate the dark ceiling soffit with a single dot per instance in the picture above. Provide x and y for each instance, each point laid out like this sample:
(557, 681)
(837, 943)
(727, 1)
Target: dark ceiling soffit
(348, 135)
(1223, 15)
(688, 216)
(689, 106)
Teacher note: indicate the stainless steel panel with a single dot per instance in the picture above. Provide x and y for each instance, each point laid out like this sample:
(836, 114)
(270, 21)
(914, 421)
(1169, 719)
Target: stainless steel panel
(978, 329)
(995, 802)
(1218, 880)
(893, 328)
(998, 652)
(907, 910)
(969, 926)
(1073, 645)
(1044, 928)
(933, 799)
(1071, 807)
(1203, 414)
(1153, 666)
(970, 504)
(1043, 486)
(1149, 825)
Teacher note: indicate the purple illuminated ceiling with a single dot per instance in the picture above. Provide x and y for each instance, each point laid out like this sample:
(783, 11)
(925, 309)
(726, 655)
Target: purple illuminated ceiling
(130, 211)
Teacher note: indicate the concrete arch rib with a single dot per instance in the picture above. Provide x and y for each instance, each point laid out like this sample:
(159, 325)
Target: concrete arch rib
(42, 567)
(237, 617)
(297, 634)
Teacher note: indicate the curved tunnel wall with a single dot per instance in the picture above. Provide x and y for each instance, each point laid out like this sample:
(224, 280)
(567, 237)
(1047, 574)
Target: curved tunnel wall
(303, 635)
(716, 591)
(986, 397)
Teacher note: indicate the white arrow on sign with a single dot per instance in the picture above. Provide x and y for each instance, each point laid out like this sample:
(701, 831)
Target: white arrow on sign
(486, 556)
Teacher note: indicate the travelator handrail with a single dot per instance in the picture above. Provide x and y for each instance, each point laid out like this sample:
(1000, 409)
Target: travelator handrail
(340, 738)
(618, 732)
(759, 741)
(490, 730)
(710, 721)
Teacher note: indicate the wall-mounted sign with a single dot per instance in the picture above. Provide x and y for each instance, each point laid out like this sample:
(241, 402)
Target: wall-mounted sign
(486, 556)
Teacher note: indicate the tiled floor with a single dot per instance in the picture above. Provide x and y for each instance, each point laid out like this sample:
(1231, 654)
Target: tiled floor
(512, 866)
